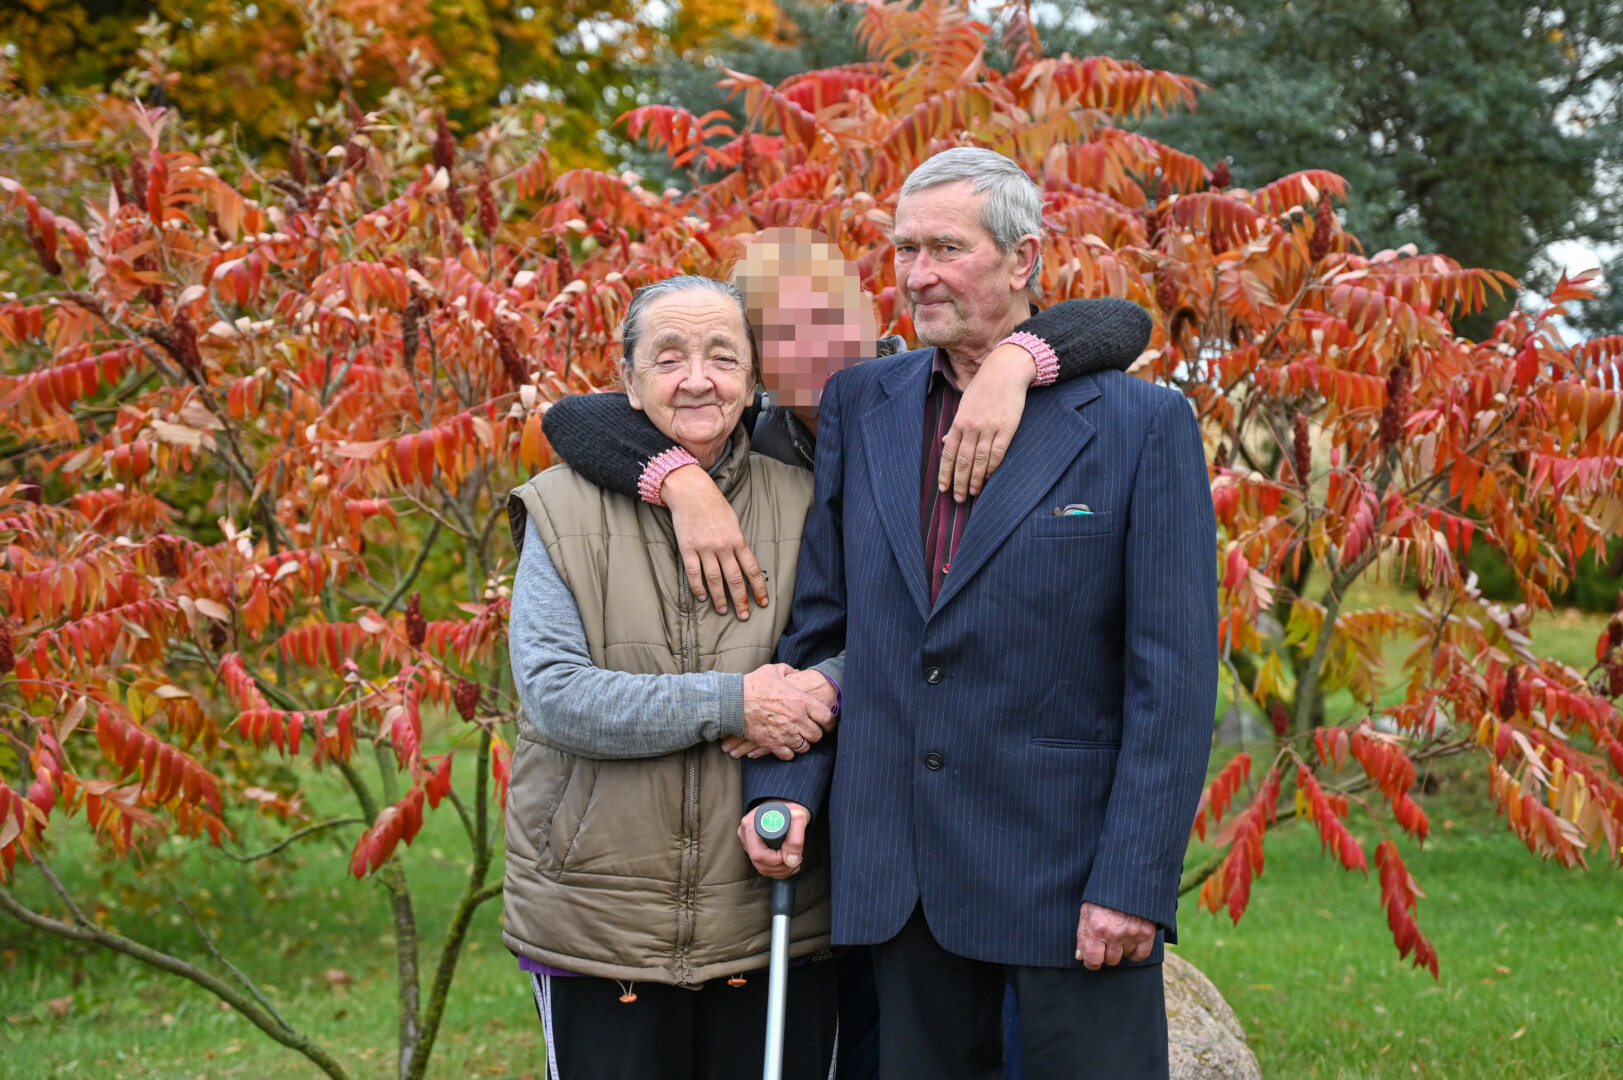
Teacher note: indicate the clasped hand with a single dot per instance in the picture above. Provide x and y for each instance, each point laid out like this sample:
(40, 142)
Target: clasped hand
(785, 712)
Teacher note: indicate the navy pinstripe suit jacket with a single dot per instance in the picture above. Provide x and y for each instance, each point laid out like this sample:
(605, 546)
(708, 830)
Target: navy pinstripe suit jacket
(1063, 683)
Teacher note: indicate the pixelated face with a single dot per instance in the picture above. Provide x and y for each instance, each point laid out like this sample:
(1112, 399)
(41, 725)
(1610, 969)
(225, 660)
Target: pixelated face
(691, 373)
(811, 316)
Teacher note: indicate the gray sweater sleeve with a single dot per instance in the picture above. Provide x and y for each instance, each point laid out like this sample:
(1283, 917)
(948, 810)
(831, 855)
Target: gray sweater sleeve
(833, 668)
(595, 713)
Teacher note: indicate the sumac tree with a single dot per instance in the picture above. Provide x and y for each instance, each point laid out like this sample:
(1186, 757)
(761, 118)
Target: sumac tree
(356, 352)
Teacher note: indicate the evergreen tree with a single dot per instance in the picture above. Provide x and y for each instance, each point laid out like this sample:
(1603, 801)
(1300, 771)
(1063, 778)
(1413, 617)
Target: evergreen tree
(1486, 130)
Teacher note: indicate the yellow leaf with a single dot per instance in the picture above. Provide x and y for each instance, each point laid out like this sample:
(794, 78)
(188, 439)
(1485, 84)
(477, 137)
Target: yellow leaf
(213, 609)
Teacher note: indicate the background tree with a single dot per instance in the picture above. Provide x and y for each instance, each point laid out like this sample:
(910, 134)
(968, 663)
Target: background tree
(344, 362)
(253, 68)
(1485, 131)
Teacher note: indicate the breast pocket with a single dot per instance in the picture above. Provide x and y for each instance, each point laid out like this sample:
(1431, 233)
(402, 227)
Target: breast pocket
(1049, 526)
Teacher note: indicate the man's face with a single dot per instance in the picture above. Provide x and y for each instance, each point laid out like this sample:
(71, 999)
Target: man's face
(957, 285)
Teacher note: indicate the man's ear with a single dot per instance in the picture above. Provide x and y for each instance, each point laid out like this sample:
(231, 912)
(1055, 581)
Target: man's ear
(1025, 260)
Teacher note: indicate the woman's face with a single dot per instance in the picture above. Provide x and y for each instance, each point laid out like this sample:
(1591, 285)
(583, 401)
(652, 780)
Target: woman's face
(692, 372)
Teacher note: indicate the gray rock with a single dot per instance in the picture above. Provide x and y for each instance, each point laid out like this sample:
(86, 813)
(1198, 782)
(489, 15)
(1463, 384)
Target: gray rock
(1205, 1037)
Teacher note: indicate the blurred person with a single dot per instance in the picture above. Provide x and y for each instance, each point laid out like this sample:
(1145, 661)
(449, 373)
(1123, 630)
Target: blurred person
(639, 919)
(1029, 678)
(809, 311)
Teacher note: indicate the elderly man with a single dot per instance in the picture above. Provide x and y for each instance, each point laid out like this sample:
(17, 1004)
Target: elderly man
(1030, 672)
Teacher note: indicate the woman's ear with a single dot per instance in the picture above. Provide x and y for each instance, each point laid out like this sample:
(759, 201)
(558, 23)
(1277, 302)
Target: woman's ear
(634, 398)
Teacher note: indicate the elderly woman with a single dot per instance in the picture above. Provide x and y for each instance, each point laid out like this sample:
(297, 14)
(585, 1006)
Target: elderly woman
(627, 896)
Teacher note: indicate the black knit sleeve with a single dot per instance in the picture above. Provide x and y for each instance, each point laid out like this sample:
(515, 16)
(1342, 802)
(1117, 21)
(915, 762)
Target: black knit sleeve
(607, 441)
(1104, 334)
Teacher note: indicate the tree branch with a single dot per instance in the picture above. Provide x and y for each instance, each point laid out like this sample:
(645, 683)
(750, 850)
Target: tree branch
(299, 835)
(107, 939)
(247, 983)
(411, 575)
(474, 894)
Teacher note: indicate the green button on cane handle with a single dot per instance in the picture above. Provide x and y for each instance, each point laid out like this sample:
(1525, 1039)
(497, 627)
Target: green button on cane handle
(772, 824)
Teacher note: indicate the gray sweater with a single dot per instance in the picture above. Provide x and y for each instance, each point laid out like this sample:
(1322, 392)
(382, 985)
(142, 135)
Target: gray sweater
(586, 710)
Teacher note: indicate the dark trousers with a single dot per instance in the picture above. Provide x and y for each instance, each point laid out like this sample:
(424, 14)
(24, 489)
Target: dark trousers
(941, 1016)
(717, 1032)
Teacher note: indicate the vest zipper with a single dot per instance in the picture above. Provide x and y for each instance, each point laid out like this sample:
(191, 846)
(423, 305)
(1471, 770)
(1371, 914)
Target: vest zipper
(688, 878)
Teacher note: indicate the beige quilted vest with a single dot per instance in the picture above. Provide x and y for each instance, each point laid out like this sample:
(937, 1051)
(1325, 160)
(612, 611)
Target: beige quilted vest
(632, 870)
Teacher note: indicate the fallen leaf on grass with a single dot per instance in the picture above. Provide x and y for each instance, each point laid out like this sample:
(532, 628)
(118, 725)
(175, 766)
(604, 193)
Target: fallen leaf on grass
(59, 1006)
(1501, 969)
(337, 977)
(1519, 1033)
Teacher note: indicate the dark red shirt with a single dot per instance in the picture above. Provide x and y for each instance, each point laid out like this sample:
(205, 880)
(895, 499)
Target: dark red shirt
(941, 519)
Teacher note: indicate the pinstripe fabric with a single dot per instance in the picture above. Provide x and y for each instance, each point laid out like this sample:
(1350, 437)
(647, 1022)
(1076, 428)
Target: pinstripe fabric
(1077, 655)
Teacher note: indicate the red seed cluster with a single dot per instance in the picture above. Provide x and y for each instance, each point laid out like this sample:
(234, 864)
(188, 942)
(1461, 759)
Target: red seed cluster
(489, 218)
(411, 327)
(467, 698)
(1507, 697)
(512, 362)
(1324, 219)
(1221, 177)
(1399, 399)
(445, 158)
(138, 179)
(1166, 292)
(416, 625)
(1302, 449)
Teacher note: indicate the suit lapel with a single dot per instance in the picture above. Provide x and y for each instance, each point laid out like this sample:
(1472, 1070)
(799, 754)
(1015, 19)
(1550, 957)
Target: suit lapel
(1052, 433)
(893, 435)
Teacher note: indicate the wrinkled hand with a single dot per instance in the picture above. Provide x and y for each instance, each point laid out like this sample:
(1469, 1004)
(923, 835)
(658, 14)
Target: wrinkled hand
(1106, 937)
(712, 543)
(812, 682)
(779, 717)
(986, 422)
(785, 862)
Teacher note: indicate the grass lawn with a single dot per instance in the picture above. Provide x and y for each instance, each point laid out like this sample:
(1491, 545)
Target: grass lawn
(1532, 958)
(123, 1019)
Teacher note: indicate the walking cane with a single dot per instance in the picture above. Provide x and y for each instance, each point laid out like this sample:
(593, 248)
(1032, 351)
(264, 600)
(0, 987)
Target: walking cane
(772, 826)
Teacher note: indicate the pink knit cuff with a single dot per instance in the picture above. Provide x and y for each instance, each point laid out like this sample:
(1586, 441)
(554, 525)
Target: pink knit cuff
(658, 469)
(1047, 362)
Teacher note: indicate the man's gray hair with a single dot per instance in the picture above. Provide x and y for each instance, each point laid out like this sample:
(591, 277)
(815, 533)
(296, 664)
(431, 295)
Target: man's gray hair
(631, 325)
(1014, 203)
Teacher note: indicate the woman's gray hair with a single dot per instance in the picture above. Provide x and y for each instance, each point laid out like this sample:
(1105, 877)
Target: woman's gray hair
(1014, 203)
(631, 325)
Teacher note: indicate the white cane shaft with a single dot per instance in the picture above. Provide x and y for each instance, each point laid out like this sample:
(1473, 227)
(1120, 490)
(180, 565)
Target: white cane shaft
(777, 997)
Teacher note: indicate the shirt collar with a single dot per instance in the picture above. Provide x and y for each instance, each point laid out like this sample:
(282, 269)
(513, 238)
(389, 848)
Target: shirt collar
(941, 368)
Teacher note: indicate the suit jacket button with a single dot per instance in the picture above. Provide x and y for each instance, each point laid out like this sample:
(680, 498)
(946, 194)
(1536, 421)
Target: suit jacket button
(932, 761)
(932, 675)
